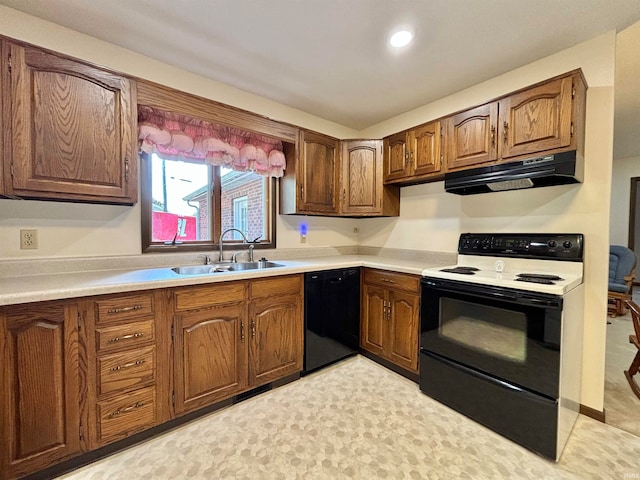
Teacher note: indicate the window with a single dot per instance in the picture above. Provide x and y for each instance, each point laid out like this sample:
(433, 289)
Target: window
(239, 215)
(188, 204)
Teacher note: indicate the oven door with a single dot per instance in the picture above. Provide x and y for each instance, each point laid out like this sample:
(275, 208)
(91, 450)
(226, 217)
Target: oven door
(509, 334)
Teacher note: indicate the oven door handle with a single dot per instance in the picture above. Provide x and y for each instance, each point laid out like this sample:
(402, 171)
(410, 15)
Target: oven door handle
(490, 292)
(469, 289)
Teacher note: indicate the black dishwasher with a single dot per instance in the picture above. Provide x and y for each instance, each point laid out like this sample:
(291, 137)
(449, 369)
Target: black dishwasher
(332, 316)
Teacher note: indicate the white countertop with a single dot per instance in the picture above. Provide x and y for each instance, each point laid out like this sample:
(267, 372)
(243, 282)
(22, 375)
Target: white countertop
(34, 288)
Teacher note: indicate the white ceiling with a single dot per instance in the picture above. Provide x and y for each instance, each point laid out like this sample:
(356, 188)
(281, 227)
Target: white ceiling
(329, 57)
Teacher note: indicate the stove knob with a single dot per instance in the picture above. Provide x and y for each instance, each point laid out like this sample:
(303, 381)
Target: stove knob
(551, 244)
(567, 244)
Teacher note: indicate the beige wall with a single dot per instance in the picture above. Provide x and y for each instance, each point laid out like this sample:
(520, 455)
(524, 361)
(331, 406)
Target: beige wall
(623, 170)
(97, 230)
(432, 220)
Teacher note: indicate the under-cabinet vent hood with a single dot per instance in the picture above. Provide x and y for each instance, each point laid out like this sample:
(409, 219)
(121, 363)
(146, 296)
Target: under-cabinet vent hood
(557, 169)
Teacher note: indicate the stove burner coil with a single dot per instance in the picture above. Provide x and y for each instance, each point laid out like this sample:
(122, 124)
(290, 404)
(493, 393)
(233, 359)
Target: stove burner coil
(541, 276)
(461, 270)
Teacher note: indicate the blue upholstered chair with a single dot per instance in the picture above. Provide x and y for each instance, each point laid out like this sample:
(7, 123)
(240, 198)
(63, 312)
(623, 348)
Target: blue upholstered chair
(622, 265)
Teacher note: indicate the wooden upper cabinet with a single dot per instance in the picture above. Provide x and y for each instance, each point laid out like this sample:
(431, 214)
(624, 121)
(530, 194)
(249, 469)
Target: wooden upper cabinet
(361, 179)
(396, 155)
(72, 129)
(40, 389)
(318, 173)
(471, 137)
(537, 119)
(413, 155)
(424, 149)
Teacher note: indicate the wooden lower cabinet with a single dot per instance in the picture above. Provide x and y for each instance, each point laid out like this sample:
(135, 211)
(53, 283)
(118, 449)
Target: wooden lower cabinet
(276, 325)
(210, 355)
(80, 374)
(40, 386)
(391, 317)
(127, 365)
(232, 337)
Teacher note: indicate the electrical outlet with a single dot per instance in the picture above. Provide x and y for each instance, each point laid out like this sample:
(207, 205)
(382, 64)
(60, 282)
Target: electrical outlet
(28, 239)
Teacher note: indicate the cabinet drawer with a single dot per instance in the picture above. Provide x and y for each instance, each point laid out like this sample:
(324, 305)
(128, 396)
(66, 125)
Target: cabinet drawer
(126, 414)
(394, 280)
(117, 337)
(127, 370)
(191, 298)
(277, 286)
(124, 308)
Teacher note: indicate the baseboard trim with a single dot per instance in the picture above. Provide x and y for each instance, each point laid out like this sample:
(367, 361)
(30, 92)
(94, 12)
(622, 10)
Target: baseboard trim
(593, 413)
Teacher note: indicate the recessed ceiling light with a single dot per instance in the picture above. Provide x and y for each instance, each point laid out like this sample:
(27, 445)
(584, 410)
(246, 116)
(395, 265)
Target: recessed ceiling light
(401, 38)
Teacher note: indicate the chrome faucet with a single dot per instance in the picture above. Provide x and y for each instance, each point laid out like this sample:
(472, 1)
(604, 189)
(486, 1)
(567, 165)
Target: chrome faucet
(243, 236)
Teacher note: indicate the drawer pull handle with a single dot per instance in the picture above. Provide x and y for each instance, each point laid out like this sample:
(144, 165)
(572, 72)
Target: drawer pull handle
(242, 331)
(388, 280)
(125, 309)
(253, 328)
(125, 337)
(120, 411)
(127, 365)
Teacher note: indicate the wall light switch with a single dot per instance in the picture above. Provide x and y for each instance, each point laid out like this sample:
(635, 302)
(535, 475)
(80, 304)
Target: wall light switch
(28, 239)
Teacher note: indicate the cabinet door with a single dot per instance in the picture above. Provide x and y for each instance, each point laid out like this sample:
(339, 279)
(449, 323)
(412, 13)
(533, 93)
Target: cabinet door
(39, 394)
(396, 155)
(276, 338)
(537, 119)
(71, 130)
(210, 355)
(318, 185)
(5, 114)
(402, 344)
(373, 327)
(424, 149)
(361, 179)
(471, 137)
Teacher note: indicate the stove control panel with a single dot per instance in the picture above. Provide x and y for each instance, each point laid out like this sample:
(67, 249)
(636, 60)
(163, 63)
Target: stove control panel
(559, 246)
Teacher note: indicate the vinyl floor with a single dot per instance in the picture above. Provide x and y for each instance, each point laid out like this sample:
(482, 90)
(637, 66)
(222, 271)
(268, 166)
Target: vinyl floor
(358, 420)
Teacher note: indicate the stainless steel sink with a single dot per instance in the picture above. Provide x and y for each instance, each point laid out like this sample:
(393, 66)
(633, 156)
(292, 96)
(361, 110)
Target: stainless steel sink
(224, 267)
(194, 270)
(253, 265)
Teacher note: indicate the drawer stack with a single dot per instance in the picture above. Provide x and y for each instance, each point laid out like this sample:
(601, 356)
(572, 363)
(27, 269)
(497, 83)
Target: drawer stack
(126, 373)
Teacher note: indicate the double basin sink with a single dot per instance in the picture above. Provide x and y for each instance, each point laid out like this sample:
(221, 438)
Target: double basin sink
(225, 267)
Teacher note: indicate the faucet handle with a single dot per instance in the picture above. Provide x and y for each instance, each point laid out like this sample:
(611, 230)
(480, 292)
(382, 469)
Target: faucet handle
(255, 240)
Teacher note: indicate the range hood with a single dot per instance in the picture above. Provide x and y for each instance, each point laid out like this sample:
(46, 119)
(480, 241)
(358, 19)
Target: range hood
(557, 169)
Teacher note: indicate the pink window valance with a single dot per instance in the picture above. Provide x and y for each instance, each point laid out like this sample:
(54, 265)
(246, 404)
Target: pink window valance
(177, 136)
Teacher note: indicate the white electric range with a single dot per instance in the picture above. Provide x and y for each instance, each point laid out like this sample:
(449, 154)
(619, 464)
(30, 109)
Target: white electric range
(501, 335)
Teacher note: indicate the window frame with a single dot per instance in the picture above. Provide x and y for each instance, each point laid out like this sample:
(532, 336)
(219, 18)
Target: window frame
(146, 203)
